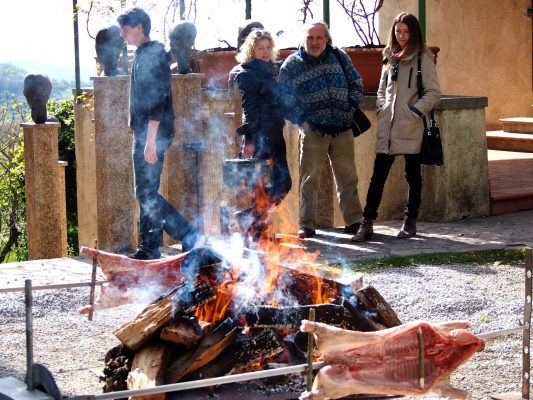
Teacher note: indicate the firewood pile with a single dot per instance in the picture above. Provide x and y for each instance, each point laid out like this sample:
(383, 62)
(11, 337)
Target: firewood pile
(204, 327)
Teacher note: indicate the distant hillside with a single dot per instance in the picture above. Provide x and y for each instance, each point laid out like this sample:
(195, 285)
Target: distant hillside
(12, 83)
(59, 72)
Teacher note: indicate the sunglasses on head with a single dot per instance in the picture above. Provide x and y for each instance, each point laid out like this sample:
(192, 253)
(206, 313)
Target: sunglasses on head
(394, 74)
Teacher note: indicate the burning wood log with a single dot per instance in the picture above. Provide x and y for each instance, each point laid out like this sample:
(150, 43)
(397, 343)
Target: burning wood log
(148, 368)
(208, 349)
(137, 332)
(374, 302)
(158, 314)
(291, 317)
(184, 333)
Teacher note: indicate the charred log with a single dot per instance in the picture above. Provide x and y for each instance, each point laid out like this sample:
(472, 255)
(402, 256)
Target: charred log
(358, 318)
(372, 300)
(207, 350)
(291, 317)
(186, 301)
(247, 351)
(118, 362)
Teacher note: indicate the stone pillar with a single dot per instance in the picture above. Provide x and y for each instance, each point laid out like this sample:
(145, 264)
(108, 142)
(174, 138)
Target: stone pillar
(46, 215)
(178, 181)
(116, 204)
(85, 168)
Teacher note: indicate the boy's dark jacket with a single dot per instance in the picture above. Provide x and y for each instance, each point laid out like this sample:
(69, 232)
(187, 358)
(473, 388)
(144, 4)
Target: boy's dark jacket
(150, 93)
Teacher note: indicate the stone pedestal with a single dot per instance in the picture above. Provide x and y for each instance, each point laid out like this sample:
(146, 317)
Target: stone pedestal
(46, 217)
(116, 204)
(86, 168)
(182, 179)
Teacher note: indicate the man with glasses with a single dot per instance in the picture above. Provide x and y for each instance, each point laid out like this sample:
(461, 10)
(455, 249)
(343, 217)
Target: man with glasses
(320, 98)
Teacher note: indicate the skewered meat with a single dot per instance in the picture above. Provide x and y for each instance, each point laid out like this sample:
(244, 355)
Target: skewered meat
(130, 280)
(388, 362)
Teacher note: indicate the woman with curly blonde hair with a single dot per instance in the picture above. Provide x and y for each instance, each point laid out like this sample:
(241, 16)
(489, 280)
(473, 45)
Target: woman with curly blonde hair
(263, 121)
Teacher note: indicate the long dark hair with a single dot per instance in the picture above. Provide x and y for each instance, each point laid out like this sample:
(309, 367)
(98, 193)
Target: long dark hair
(416, 39)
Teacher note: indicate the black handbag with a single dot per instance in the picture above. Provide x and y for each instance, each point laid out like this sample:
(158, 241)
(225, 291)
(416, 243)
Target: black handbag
(431, 150)
(360, 122)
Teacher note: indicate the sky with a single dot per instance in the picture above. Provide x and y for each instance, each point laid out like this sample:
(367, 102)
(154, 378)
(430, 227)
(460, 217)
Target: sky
(41, 31)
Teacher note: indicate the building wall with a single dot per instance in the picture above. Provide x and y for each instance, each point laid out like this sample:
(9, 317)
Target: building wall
(486, 50)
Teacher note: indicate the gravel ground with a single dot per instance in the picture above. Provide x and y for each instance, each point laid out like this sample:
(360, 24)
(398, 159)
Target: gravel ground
(489, 296)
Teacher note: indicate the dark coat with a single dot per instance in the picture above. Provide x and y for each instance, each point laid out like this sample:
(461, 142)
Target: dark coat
(150, 91)
(263, 118)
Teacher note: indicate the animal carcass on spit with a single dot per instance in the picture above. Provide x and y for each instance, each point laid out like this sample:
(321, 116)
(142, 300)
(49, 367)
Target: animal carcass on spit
(388, 361)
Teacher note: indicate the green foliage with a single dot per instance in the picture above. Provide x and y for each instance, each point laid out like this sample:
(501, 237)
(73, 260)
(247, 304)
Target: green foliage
(63, 110)
(506, 256)
(13, 238)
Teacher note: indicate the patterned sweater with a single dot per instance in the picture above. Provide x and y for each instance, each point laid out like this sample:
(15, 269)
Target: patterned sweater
(316, 91)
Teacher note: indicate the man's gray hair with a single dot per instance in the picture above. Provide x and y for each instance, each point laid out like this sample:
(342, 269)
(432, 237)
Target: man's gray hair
(311, 24)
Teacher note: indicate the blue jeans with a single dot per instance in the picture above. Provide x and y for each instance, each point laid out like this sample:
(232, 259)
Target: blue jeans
(156, 214)
(382, 166)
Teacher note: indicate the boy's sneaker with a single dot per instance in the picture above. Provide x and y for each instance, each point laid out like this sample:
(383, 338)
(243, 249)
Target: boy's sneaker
(145, 254)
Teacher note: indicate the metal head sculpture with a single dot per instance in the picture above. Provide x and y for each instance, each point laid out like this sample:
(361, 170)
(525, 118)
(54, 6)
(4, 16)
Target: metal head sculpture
(108, 45)
(182, 38)
(245, 29)
(37, 89)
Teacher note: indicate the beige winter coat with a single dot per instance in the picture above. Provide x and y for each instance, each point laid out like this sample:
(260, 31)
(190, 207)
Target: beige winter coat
(399, 130)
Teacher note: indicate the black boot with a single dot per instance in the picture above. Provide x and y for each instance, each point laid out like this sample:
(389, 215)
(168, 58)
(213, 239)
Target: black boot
(365, 231)
(408, 228)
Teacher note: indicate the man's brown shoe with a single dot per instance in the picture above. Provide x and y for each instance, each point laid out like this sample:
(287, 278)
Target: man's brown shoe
(353, 228)
(365, 232)
(408, 228)
(306, 233)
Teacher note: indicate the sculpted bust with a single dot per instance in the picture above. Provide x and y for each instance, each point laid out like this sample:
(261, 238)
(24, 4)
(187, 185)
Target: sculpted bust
(108, 46)
(182, 38)
(37, 89)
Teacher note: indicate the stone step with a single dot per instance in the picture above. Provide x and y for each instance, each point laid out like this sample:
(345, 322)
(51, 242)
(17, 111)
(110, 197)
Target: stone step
(517, 125)
(510, 141)
(511, 185)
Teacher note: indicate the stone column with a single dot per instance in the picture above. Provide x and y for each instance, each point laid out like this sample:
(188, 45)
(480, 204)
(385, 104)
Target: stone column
(85, 168)
(116, 204)
(178, 183)
(46, 216)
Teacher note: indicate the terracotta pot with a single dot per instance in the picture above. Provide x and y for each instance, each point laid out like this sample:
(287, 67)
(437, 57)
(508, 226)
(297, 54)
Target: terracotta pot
(367, 61)
(216, 65)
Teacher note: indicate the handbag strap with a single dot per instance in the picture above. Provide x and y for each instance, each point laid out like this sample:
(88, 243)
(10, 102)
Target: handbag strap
(339, 59)
(420, 88)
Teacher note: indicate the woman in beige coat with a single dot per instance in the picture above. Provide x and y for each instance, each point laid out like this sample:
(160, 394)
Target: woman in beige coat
(399, 119)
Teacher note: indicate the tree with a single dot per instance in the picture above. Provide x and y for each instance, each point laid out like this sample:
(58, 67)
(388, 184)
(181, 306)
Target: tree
(13, 243)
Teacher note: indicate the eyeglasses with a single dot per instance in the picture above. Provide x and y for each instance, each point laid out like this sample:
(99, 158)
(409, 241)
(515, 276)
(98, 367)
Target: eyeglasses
(394, 74)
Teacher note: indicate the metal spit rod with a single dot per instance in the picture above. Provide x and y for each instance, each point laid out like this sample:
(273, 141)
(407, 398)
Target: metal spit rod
(201, 383)
(245, 376)
(50, 287)
(29, 334)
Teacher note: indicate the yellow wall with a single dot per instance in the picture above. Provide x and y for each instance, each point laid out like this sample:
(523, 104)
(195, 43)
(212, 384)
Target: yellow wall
(486, 50)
